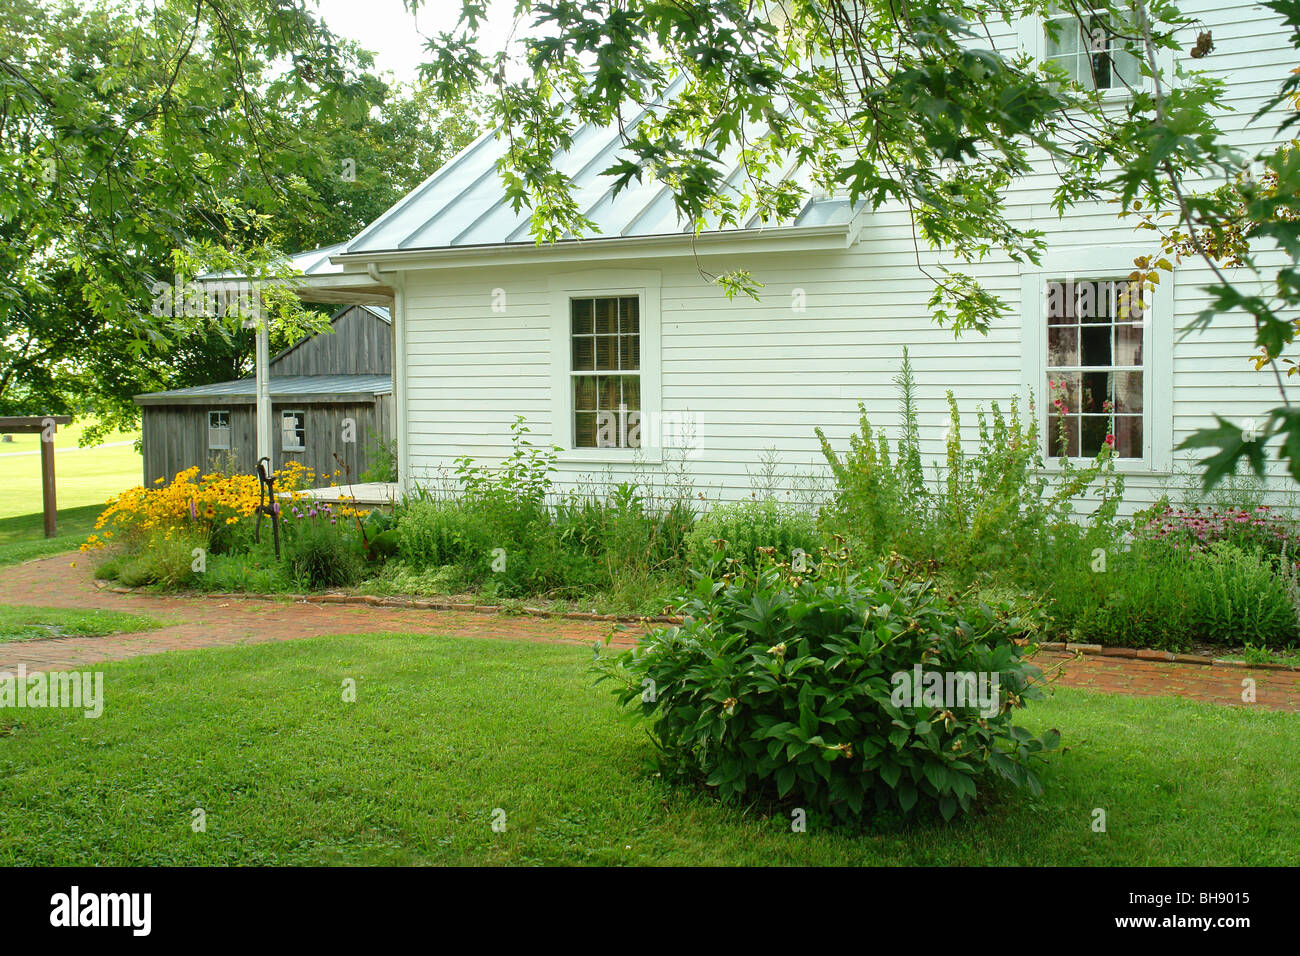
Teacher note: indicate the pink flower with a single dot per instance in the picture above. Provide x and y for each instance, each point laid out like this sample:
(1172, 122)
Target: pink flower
(1110, 441)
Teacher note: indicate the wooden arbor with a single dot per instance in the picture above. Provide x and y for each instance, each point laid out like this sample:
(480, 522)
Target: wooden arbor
(46, 426)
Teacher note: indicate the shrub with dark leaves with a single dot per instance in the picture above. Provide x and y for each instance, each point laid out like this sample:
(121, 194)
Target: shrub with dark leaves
(815, 690)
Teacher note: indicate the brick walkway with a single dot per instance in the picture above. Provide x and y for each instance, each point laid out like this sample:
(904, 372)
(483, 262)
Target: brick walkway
(207, 622)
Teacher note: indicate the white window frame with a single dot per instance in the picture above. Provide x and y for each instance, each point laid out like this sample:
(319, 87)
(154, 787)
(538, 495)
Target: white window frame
(302, 442)
(1032, 36)
(644, 284)
(219, 411)
(1158, 331)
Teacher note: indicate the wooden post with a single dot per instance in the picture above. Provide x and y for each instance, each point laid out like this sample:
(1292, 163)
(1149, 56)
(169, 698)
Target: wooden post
(47, 479)
(45, 426)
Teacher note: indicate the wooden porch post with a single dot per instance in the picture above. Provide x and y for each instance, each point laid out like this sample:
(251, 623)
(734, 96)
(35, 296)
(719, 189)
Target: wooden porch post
(47, 478)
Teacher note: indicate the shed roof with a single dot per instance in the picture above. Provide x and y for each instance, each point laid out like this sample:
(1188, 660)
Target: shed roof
(308, 388)
(463, 203)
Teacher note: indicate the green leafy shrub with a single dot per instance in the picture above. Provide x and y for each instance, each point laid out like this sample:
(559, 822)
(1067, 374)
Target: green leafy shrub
(433, 533)
(502, 535)
(322, 553)
(166, 561)
(787, 687)
(1157, 594)
(739, 531)
(381, 456)
(992, 512)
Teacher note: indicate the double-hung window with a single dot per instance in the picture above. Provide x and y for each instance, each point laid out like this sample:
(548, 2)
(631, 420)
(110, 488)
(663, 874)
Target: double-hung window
(605, 371)
(1094, 50)
(1096, 367)
(1097, 357)
(606, 385)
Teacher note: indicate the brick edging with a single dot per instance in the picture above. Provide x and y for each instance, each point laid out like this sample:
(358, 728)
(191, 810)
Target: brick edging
(1167, 657)
(370, 600)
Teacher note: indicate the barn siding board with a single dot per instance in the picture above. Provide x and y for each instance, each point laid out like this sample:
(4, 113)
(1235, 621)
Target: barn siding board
(175, 436)
(360, 344)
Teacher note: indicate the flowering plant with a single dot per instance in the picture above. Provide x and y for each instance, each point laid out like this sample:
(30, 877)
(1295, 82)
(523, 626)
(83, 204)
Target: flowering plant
(189, 504)
(1195, 529)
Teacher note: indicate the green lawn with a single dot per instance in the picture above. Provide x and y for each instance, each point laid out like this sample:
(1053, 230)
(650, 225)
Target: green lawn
(25, 623)
(444, 732)
(83, 476)
(22, 538)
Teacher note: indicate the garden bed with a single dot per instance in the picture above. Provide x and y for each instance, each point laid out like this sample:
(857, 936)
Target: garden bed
(1207, 578)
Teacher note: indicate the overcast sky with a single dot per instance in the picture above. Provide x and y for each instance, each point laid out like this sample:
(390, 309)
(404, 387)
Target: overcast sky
(386, 29)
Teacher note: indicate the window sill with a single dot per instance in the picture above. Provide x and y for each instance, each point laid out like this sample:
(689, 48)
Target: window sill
(610, 456)
(1123, 466)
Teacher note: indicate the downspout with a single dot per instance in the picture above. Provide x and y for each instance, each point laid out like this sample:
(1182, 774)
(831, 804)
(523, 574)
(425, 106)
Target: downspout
(399, 373)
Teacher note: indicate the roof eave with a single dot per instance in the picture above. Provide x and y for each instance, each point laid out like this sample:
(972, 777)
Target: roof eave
(775, 239)
(149, 399)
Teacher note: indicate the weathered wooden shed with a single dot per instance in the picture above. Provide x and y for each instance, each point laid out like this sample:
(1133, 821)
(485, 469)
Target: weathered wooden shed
(331, 402)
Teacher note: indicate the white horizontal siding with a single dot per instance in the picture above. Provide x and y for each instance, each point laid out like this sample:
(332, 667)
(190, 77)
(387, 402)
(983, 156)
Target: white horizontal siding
(758, 375)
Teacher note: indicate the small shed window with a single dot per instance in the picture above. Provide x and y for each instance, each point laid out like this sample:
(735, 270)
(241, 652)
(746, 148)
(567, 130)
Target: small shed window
(606, 347)
(293, 431)
(219, 430)
(1095, 367)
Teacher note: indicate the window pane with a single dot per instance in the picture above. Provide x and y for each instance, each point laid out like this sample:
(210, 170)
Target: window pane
(1066, 390)
(608, 392)
(606, 316)
(1093, 429)
(1128, 302)
(584, 354)
(629, 352)
(606, 353)
(1094, 301)
(584, 393)
(584, 429)
(1128, 392)
(1062, 346)
(1128, 345)
(1128, 436)
(1060, 303)
(632, 392)
(581, 309)
(1054, 443)
(629, 316)
(1094, 345)
(1096, 392)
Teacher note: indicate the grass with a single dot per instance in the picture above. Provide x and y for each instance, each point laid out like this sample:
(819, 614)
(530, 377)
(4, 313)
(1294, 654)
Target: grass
(26, 623)
(22, 538)
(83, 476)
(444, 732)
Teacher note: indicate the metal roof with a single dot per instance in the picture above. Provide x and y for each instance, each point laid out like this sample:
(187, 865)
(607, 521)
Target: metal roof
(317, 261)
(324, 386)
(463, 204)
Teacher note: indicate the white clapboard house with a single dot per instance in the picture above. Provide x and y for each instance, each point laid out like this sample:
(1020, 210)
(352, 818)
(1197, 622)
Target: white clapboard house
(488, 325)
